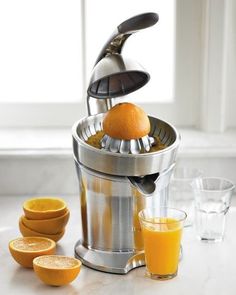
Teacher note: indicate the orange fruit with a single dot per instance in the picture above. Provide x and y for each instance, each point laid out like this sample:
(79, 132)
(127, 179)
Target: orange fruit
(27, 232)
(47, 226)
(126, 121)
(44, 208)
(56, 270)
(24, 250)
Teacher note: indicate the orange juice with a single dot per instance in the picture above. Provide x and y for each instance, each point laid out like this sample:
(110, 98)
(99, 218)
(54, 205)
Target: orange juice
(162, 238)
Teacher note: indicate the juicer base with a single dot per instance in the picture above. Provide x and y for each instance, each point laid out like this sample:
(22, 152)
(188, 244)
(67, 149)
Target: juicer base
(112, 262)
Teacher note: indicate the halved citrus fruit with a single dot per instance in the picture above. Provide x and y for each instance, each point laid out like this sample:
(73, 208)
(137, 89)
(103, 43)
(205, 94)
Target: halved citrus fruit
(49, 226)
(56, 270)
(44, 208)
(24, 250)
(126, 121)
(27, 232)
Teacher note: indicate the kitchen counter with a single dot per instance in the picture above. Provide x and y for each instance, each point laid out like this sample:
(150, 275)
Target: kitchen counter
(206, 269)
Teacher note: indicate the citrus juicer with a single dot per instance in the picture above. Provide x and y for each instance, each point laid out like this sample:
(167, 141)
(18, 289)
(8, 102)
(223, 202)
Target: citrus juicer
(115, 183)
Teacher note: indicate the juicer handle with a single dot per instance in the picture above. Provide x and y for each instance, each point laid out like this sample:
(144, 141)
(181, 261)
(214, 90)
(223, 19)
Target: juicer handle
(138, 22)
(116, 42)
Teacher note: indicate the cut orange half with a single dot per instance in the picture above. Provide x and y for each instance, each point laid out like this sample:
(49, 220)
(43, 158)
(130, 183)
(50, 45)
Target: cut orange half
(49, 226)
(24, 250)
(27, 232)
(56, 270)
(126, 121)
(44, 208)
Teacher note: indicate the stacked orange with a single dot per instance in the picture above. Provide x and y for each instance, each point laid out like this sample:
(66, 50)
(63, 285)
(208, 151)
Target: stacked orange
(44, 217)
(42, 226)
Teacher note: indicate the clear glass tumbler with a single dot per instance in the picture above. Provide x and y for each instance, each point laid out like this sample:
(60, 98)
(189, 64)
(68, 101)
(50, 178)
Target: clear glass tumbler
(212, 202)
(181, 192)
(162, 232)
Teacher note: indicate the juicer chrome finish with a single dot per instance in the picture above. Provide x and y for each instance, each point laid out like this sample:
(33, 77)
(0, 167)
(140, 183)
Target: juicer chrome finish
(133, 146)
(114, 187)
(116, 75)
(107, 261)
(124, 164)
(111, 234)
(113, 75)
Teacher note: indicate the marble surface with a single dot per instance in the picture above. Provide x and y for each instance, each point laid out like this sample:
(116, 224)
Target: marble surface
(205, 269)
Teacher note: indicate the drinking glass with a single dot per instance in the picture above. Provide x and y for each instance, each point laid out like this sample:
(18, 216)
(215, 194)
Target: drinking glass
(212, 202)
(181, 192)
(162, 232)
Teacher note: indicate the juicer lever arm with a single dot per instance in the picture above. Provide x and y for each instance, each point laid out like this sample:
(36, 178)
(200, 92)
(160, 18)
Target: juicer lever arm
(138, 22)
(124, 30)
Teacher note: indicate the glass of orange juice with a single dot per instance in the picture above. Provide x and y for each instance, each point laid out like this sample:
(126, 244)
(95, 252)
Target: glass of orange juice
(162, 231)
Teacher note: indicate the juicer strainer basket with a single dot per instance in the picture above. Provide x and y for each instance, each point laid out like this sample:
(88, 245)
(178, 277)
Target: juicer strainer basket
(124, 164)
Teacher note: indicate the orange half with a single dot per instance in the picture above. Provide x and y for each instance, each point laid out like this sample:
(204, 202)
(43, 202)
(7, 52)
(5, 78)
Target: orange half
(44, 208)
(24, 250)
(49, 226)
(27, 232)
(126, 121)
(56, 270)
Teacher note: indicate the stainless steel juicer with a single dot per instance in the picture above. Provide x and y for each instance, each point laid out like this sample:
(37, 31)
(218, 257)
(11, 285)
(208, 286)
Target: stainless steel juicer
(115, 186)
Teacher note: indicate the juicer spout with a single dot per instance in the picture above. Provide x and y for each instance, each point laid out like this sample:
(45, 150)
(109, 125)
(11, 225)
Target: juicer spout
(146, 184)
(149, 184)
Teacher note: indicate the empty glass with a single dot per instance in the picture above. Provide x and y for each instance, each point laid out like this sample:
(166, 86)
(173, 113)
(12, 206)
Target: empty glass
(212, 202)
(181, 192)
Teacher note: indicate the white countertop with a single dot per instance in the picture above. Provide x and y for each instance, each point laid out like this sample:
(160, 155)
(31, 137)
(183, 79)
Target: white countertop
(206, 269)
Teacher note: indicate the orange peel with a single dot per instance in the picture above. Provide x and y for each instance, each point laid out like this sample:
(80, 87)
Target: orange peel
(49, 226)
(44, 208)
(126, 121)
(56, 270)
(27, 232)
(25, 249)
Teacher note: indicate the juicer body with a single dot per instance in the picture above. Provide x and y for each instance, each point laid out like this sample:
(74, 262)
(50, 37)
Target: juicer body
(113, 189)
(111, 234)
